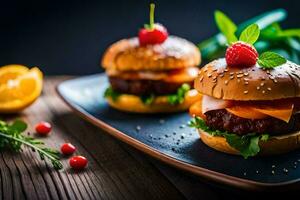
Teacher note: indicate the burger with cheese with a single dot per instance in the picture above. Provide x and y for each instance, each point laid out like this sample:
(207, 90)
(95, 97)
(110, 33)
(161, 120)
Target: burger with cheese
(250, 104)
(151, 73)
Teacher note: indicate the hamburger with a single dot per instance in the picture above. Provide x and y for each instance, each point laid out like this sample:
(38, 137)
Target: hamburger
(250, 104)
(151, 73)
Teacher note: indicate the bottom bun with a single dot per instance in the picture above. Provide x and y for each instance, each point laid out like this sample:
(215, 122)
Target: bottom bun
(274, 145)
(132, 103)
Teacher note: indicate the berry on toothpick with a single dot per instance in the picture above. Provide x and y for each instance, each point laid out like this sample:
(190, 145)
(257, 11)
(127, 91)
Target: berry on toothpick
(78, 162)
(43, 128)
(152, 33)
(67, 149)
(241, 54)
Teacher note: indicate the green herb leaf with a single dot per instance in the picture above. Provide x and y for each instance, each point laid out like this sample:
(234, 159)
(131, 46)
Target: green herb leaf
(178, 98)
(147, 100)
(250, 34)
(270, 60)
(247, 145)
(18, 126)
(109, 92)
(11, 137)
(226, 26)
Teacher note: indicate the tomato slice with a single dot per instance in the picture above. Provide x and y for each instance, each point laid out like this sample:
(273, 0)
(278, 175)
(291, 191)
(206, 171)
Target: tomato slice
(196, 109)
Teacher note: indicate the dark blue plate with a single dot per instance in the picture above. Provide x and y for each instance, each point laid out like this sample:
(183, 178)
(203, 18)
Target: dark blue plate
(168, 138)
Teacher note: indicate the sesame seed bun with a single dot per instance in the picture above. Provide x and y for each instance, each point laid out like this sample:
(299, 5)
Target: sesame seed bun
(128, 55)
(133, 104)
(218, 80)
(274, 145)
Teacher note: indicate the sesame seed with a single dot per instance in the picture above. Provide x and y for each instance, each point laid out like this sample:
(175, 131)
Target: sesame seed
(257, 87)
(226, 82)
(209, 75)
(205, 70)
(285, 170)
(246, 79)
(246, 83)
(245, 173)
(273, 166)
(238, 80)
(138, 128)
(201, 78)
(214, 78)
(257, 171)
(275, 81)
(239, 75)
(221, 75)
(214, 70)
(269, 89)
(263, 92)
(231, 77)
(246, 92)
(246, 73)
(226, 70)
(262, 84)
(231, 73)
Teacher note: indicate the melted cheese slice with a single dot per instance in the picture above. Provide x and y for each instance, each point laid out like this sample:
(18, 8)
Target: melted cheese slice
(179, 75)
(244, 110)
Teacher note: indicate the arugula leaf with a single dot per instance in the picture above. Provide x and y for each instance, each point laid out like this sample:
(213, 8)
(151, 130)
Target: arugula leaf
(270, 60)
(11, 137)
(178, 98)
(109, 92)
(147, 100)
(250, 34)
(247, 145)
(18, 126)
(226, 26)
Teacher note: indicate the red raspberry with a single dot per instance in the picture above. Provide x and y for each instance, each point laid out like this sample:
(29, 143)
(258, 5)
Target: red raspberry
(241, 54)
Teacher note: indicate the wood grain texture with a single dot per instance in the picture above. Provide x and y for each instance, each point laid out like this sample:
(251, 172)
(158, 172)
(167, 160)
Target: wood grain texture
(114, 172)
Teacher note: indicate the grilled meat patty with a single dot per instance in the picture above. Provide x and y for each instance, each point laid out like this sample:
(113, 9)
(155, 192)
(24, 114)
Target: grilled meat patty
(144, 87)
(225, 121)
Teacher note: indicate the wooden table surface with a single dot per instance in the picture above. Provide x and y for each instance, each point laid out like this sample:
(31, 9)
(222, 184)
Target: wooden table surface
(115, 170)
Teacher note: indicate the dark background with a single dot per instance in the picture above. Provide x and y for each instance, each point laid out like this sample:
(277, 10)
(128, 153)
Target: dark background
(69, 37)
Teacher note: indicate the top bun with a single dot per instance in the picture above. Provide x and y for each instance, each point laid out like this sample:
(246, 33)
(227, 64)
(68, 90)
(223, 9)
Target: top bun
(218, 80)
(128, 55)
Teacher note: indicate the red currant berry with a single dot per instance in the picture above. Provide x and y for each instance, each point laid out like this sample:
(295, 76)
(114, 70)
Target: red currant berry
(241, 54)
(78, 162)
(67, 149)
(43, 128)
(155, 36)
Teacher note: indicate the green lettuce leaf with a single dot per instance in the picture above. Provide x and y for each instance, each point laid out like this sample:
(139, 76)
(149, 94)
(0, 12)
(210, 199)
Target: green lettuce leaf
(247, 145)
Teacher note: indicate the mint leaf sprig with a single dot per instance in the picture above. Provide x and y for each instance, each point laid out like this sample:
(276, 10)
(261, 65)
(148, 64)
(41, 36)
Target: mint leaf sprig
(247, 145)
(249, 35)
(11, 137)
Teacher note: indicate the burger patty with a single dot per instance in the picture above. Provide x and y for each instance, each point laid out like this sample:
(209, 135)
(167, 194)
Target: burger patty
(144, 87)
(225, 121)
